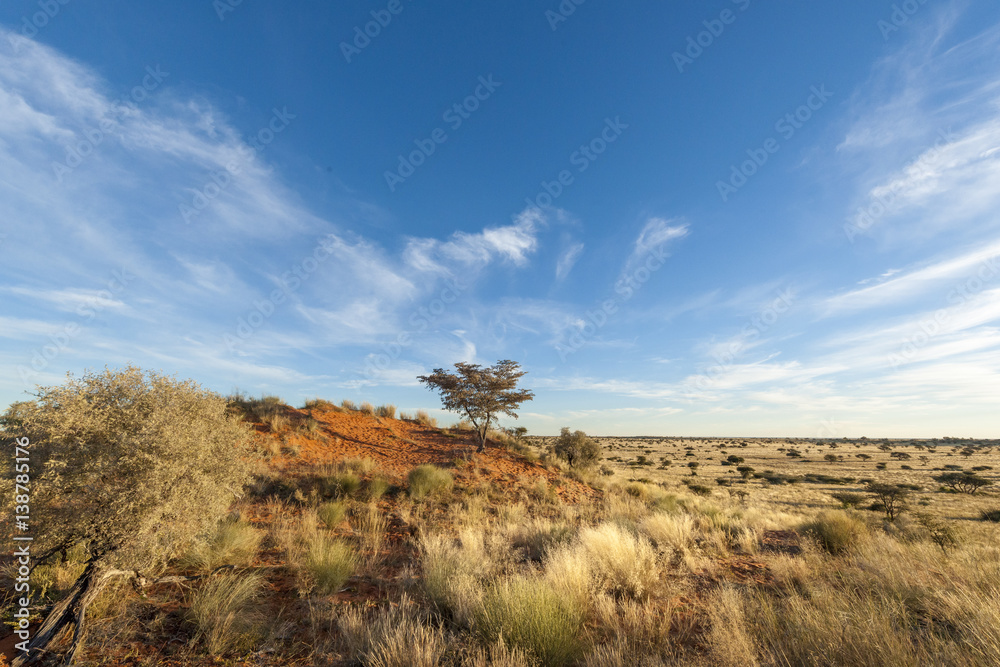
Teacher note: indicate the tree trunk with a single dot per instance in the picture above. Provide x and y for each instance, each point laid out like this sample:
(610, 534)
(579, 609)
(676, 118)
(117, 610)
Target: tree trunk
(71, 610)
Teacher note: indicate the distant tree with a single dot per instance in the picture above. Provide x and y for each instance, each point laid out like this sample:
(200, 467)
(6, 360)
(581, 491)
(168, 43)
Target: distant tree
(924, 460)
(693, 465)
(481, 394)
(889, 498)
(963, 482)
(732, 458)
(579, 450)
(746, 472)
(130, 467)
(900, 456)
(863, 457)
(831, 458)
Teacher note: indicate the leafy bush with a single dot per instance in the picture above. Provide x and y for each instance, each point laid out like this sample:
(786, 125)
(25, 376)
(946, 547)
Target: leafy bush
(427, 479)
(132, 464)
(530, 614)
(577, 448)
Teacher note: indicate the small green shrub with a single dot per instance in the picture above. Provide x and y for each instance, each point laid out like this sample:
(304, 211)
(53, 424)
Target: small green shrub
(531, 615)
(848, 499)
(427, 479)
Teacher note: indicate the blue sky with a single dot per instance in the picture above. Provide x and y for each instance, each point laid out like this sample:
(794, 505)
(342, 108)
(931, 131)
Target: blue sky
(725, 218)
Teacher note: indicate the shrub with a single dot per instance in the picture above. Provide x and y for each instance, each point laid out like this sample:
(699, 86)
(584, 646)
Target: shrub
(963, 482)
(848, 499)
(332, 514)
(529, 614)
(424, 418)
(388, 411)
(428, 479)
(990, 515)
(577, 448)
(132, 465)
(836, 531)
(222, 612)
(348, 404)
(330, 563)
(367, 408)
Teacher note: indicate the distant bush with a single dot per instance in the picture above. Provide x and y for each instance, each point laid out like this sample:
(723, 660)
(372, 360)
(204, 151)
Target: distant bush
(848, 499)
(388, 411)
(963, 482)
(367, 408)
(888, 498)
(990, 515)
(348, 404)
(427, 479)
(424, 418)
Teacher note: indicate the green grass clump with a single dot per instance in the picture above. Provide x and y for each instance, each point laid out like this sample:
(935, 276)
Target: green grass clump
(377, 487)
(426, 480)
(343, 484)
(836, 531)
(234, 542)
(222, 612)
(330, 562)
(332, 514)
(529, 614)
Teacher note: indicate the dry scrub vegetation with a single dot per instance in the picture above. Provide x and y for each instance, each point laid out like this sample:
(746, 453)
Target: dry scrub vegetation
(345, 562)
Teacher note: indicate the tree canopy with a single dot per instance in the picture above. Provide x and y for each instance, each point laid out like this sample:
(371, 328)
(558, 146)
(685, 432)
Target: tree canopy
(480, 393)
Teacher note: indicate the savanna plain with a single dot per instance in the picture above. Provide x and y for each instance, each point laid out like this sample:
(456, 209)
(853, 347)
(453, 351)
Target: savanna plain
(364, 536)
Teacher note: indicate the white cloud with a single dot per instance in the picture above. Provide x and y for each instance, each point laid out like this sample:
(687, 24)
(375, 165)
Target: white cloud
(567, 260)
